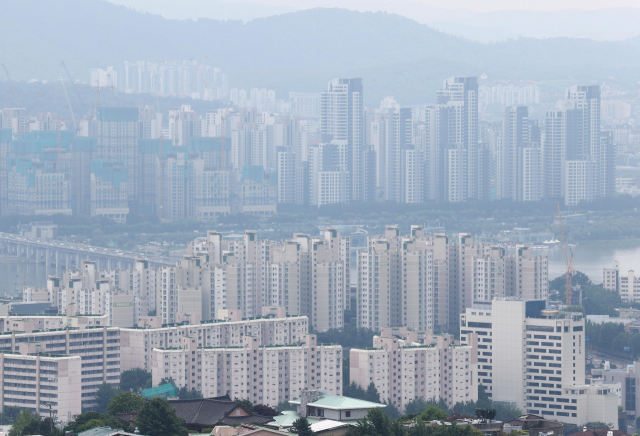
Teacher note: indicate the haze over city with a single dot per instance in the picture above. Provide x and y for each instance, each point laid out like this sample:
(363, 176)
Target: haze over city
(279, 217)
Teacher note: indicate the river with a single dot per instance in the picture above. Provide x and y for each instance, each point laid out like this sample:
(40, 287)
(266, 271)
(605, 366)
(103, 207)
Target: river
(590, 258)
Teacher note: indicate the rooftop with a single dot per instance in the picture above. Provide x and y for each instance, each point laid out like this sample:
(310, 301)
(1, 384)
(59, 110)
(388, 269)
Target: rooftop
(338, 402)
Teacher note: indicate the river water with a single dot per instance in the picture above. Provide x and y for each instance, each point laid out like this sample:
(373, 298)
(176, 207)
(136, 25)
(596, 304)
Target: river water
(591, 258)
(16, 274)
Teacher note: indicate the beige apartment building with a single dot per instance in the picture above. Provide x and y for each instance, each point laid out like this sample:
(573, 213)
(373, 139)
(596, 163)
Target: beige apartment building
(35, 380)
(262, 374)
(97, 347)
(627, 286)
(425, 281)
(138, 343)
(406, 365)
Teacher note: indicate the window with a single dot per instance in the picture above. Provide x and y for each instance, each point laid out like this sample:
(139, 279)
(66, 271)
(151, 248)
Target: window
(347, 414)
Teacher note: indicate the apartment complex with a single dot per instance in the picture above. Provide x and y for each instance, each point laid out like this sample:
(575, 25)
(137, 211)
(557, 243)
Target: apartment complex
(122, 295)
(85, 354)
(425, 281)
(263, 374)
(534, 359)
(97, 347)
(138, 343)
(316, 149)
(627, 286)
(41, 382)
(407, 365)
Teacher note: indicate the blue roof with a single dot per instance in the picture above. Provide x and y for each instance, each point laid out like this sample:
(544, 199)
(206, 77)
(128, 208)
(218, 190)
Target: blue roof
(6, 135)
(110, 172)
(253, 172)
(47, 135)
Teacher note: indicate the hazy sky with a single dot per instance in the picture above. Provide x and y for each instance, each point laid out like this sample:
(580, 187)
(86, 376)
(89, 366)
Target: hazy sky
(475, 5)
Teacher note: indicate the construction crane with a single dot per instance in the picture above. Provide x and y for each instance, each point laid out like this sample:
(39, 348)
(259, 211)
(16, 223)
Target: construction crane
(84, 111)
(66, 95)
(97, 88)
(568, 261)
(13, 88)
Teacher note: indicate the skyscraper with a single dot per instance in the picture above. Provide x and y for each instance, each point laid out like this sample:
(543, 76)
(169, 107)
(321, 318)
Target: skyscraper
(459, 122)
(518, 172)
(341, 119)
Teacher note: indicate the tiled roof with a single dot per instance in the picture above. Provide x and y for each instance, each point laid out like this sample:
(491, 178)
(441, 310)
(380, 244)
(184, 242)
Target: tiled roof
(209, 412)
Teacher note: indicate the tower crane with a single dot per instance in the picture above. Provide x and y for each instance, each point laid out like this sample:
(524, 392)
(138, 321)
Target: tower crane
(13, 88)
(568, 261)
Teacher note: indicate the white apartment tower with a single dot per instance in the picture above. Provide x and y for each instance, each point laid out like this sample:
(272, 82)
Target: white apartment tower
(341, 119)
(534, 359)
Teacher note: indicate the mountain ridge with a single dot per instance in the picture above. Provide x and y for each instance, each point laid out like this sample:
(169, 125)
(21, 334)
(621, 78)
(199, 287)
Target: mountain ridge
(298, 51)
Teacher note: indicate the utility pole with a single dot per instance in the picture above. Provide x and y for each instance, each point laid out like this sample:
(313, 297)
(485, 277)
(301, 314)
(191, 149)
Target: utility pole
(50, 420)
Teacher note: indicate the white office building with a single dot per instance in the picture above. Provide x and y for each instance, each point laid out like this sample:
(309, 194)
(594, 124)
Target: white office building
(534, 358)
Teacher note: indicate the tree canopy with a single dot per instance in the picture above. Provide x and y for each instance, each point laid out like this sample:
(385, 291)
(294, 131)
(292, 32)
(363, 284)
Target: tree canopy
(135, 380)
(301, 427)
(124, 402)
(158, 418)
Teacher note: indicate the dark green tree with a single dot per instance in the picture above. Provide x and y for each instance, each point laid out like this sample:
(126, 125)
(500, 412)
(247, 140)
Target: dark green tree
(371, 393)
(432, 413)
(301, 427)
(80, 420)
(105, 393)
(135, 380)
(91, 424)
(29, 424)
(124, 402)
(285, 405)
(417, 406)
(246, 404)
(392, 410)
(186, 394)
(9, 414)
(263, 410)
(158, 418)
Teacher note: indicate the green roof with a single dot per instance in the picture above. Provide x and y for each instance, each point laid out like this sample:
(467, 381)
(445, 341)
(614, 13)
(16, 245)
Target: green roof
(110, 172)
(166, 390)
(340, 402)
(287, 418)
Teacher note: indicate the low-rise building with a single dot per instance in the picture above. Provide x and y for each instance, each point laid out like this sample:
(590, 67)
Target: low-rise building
(628, 286)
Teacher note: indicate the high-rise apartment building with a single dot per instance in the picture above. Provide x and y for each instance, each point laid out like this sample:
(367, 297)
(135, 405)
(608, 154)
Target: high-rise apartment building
(406, 365)
(263, 374)
(518, 157)
(117, 132)
(459, 99)
(341, 119)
